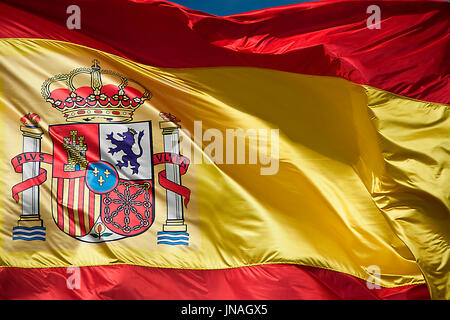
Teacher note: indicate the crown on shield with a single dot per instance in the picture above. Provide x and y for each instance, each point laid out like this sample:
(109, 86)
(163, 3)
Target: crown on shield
(86, 98)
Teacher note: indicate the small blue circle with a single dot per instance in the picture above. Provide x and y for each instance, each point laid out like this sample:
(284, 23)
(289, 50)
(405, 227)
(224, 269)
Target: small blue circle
(101, 177)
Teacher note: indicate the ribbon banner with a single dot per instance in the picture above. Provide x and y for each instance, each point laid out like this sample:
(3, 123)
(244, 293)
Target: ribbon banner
(183, 163)
(159, 158)
(27, 157)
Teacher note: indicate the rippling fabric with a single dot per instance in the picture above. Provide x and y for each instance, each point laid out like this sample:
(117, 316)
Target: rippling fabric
(309, 38)
(266, 282)
(362, 175)
(411, 184)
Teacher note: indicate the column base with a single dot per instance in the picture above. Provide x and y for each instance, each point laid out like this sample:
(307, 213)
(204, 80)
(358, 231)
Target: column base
(175, 225)
(29, 221)
(174, 233)
(29, 228)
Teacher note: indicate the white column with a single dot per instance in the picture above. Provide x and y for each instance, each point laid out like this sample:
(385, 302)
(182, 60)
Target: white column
(32, 136)
(30, 197)
(175, 217)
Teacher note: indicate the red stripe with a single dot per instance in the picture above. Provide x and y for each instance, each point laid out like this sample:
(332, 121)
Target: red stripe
(406, 56)
(91, 209)
(60, 194)
(81, 207)
(70, 206)
(268, 282)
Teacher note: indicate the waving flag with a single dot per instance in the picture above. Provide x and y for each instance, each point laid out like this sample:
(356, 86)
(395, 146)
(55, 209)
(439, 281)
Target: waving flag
(153, 151)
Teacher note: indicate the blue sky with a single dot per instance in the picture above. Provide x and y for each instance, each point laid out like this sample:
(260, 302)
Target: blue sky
(227, 7)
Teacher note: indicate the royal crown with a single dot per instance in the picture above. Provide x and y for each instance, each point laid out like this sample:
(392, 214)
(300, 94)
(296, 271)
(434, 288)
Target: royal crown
(102, 103)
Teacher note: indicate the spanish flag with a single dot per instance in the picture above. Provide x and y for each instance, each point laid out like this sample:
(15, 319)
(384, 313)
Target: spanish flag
(150, 151)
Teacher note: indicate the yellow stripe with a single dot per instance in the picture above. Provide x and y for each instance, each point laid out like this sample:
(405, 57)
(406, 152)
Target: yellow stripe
(412, 183)
(3, 155)
(54, 198)
(97, 206)
(321, 208)
(86, 208)
(75, 206)
(65, 204)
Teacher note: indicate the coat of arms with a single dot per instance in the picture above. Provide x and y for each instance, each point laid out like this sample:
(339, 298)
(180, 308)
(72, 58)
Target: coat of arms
(103, 165)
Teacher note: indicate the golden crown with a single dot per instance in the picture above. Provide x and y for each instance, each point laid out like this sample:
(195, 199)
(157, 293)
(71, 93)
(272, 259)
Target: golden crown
(102, 103)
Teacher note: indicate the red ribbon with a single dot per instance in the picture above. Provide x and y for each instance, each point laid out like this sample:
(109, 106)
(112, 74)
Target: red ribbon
(183, 163)
(158, 158)
(27, 157)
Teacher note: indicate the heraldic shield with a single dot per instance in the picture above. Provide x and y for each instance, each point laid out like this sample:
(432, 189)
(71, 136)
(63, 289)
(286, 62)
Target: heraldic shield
(102, 181)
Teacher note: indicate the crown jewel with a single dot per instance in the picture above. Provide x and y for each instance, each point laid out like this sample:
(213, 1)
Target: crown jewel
(97, 101)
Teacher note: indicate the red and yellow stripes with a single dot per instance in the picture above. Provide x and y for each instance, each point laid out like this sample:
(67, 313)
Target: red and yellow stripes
(74, 206)
(362, 177)
(310, 38)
